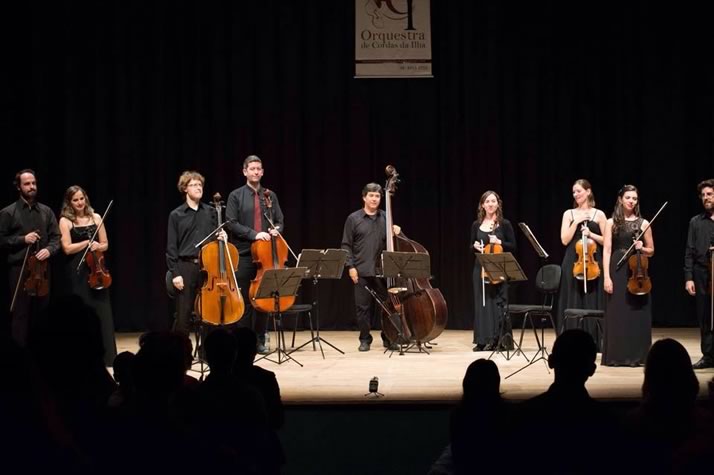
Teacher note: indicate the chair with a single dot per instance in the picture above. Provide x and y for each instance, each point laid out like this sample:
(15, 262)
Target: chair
(547, 283)
(582, 315)
(297, 310)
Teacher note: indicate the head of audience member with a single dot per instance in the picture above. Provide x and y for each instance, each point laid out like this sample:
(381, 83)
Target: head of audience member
(669, 378)
(482, 382)
(123, 371)
(160, 364)
(573, 358)
(247, 342)
(221, 348)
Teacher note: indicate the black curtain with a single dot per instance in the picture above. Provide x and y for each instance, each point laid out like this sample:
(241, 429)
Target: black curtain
(120, 97)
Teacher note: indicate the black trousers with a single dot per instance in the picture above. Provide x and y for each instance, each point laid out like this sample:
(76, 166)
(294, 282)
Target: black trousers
(369, 313)
(186, 298)
(258, 321)
(27, 311)
(704, 315)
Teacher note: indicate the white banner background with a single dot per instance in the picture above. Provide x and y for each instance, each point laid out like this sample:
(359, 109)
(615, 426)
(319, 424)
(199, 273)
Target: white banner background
(392, 38)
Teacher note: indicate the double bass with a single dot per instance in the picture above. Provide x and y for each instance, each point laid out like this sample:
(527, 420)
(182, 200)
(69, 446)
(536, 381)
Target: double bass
(269, 255)
(219, 302)
(422, 308)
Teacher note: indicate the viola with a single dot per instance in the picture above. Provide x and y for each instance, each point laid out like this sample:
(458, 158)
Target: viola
(37, 283)
(271, 254)
(639, 282)
(421, 308)
(99, 276)
(586, 267)
(219, 302)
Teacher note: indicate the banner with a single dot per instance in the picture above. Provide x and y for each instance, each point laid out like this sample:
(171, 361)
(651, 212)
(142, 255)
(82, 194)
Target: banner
(392, 38)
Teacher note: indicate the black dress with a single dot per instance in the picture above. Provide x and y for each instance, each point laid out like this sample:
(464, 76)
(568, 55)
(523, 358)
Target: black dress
(488, 319)
(628, 317)
(572, 291)
(98, 300)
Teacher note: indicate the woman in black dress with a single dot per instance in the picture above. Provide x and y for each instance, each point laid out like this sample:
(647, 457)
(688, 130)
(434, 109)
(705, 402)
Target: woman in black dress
(77, 224)
(583, 219)
(628, 317)
(489, 299)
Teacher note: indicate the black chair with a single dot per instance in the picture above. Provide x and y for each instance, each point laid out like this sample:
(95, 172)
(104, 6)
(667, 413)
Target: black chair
(583, 315)
(547, 282)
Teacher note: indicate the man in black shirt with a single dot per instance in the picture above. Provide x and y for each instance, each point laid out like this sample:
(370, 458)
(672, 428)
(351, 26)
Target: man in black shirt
(246, 210)
(697, 262)
(188, 224)
(364, 238)
(27, 228)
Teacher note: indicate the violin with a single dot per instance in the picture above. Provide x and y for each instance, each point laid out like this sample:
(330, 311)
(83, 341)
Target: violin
(37, 283)
(639, 282)
(219, 302)
(99, 277)
(490, 248)
(421, 308)
(271, 254)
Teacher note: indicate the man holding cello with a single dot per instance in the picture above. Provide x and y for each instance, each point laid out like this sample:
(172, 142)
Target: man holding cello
(245, 212)
(29, 234)
(188, 224)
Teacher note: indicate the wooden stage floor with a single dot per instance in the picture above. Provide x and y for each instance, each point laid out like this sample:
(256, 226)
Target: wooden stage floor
(431, 378)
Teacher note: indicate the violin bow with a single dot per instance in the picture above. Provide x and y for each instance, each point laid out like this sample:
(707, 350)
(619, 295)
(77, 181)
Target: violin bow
(627, 253)
(101, 223)
(19, 278)
(272, 225)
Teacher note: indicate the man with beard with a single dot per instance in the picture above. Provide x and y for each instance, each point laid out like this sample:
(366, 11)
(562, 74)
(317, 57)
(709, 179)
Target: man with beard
(246, 209)
(697, 262)
(27, 228)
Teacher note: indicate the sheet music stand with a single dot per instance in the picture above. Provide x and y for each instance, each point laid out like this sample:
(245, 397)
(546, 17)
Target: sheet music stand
(321, 264)
(405, 265)
(504, 268)
(541, 353)
(278, 283)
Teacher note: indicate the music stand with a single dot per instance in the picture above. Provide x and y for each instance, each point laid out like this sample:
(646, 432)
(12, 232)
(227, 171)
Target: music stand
(504, 268)
(274, 284)
(541, 353)
(321, 264)
(405, 265)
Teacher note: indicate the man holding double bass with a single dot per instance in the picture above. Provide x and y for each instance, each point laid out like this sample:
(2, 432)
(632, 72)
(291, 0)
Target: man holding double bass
(29, 234)
(245, 211)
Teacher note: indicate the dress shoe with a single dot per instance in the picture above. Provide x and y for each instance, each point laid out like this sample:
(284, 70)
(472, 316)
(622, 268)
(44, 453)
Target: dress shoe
(703, 364)
(262, 349)
(479, 347)
(363, 346)
(490, 347)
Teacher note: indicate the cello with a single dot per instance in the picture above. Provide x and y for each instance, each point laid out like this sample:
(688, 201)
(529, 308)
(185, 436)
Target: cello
(271, 254)
(421, 307)
(219, 302)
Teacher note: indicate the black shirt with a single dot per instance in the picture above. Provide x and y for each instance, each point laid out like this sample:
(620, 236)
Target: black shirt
(700, 237)
(364, 239)
(241, 210)
(187, 227)
(21, 218)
